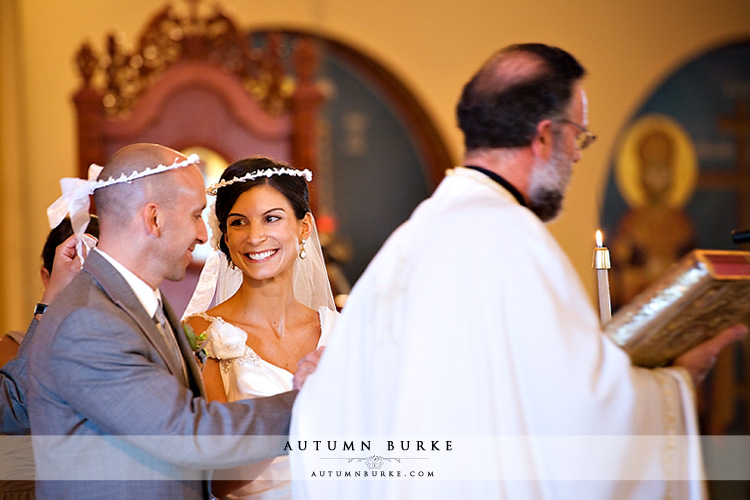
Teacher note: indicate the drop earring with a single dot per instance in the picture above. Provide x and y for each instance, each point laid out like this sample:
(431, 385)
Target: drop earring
(302, 251)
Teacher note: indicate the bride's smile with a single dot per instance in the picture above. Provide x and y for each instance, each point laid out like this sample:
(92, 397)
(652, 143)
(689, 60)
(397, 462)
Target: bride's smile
(260, 256)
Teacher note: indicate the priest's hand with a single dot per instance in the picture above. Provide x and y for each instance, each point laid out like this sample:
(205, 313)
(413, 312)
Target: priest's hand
(305, 367)
(699, 360)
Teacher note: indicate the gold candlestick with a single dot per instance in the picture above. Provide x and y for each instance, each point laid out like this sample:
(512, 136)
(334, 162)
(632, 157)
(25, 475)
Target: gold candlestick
(601, 263)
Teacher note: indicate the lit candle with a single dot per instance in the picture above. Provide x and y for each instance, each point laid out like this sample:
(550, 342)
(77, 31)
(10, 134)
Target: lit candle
(600, 262)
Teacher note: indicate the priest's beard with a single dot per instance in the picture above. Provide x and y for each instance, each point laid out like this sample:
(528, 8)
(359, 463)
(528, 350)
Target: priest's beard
(547, 185)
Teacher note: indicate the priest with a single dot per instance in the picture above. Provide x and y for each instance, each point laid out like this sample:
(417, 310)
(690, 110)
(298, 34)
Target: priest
(471, 328)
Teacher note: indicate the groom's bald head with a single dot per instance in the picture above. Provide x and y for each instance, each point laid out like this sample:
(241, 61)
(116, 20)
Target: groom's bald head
(120, 201)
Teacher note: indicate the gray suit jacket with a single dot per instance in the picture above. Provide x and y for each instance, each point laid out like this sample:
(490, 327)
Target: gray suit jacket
(13, 387)
(111, 413)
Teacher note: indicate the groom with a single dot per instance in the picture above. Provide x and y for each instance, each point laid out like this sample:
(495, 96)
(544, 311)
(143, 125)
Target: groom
(115, 395)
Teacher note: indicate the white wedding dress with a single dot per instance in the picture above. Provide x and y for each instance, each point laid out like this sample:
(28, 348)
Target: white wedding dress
(247, 375)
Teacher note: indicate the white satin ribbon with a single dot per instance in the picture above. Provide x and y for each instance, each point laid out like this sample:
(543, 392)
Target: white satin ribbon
(75, 200)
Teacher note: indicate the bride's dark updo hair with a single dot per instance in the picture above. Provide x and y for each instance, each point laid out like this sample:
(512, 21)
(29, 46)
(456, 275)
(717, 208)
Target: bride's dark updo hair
(293, 187)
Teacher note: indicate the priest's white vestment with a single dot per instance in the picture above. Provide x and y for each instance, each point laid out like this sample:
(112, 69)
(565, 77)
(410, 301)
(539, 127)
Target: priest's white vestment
(471, 327)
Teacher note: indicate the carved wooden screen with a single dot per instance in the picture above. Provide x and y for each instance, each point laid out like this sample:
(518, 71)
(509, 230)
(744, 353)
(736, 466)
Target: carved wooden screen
(193, 80)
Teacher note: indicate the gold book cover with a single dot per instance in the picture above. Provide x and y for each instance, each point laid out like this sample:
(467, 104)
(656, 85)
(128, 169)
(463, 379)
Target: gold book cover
(706, 291)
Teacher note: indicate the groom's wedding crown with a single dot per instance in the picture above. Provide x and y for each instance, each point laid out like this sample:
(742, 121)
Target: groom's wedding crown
(98, 184)
(75, 193)
(267, 172)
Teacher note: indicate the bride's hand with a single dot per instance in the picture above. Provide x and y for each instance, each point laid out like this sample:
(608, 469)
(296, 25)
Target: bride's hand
(305, 367)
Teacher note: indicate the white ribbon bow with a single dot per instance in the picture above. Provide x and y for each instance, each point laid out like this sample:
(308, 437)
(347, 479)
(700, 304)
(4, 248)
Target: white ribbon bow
(76, 202)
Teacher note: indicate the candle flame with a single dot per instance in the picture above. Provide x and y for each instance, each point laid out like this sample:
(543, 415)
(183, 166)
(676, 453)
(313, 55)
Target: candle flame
(599, 238)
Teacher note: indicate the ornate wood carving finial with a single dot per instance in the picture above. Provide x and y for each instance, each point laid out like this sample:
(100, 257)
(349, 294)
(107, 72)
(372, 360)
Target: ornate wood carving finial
(86, 62)
(194, 32)
(193, 8)
(305, 60)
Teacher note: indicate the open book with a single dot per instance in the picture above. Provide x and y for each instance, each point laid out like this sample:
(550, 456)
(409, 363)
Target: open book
(706, 291)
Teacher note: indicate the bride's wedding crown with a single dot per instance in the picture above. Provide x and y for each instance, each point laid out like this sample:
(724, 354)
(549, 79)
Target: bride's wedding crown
(268, 172)
(213, 221)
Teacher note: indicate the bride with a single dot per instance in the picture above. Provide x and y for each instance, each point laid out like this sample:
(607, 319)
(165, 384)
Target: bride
(273, 300)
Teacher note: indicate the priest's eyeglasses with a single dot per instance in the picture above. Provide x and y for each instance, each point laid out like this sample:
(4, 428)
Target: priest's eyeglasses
(584, 137)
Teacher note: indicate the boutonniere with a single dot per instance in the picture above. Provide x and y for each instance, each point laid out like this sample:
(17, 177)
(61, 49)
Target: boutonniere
(197, 342)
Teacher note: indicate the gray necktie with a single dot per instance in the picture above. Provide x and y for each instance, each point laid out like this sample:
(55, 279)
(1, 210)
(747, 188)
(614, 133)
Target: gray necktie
(168, 335)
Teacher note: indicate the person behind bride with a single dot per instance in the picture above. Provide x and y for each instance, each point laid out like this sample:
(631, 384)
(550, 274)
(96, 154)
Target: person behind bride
(60, 263)
(11, 341)
(274, 301)
(59, 254)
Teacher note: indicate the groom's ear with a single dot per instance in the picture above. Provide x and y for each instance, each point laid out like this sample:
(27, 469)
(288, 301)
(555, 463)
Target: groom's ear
(151, 219)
